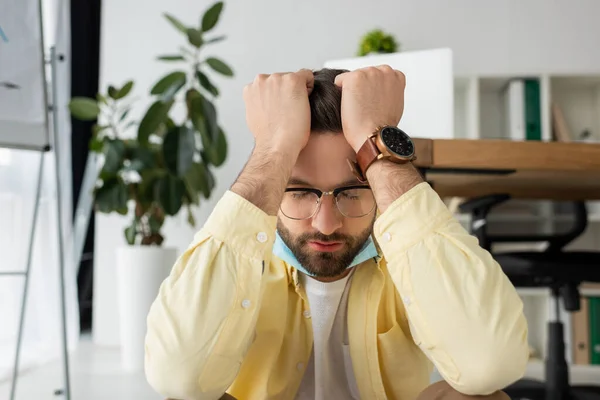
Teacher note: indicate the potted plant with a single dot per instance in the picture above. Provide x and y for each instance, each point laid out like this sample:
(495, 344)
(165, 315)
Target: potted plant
(157, 167)
(377, 42)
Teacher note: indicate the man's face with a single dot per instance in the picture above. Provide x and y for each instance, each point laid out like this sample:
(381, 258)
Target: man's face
(326, 243)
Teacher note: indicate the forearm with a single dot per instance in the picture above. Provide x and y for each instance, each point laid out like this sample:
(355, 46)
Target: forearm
(389, 181)
(264, 178)
(464, 312)
(197, 334)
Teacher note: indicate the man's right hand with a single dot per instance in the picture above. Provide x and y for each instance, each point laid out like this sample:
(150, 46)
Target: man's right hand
(278, 115)
(278, 111)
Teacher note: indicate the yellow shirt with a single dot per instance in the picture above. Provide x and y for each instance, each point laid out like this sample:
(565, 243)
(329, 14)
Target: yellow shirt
(230, 317)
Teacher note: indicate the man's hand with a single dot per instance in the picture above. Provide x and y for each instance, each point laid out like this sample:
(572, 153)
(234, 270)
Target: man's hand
(371, 97)
(278, 111)
(278, 115)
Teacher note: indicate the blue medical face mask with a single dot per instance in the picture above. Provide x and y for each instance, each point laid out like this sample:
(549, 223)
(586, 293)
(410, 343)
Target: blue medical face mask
(281, 250)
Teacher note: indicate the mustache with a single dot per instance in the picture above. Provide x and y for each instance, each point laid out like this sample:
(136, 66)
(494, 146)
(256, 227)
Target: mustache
(319, 237)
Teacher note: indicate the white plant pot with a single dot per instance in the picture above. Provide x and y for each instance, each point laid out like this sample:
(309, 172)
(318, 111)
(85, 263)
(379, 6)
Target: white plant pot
(140, 272)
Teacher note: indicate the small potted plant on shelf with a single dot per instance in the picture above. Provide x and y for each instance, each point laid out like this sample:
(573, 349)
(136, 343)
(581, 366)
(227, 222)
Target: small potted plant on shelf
(377, 42)
(154, 168)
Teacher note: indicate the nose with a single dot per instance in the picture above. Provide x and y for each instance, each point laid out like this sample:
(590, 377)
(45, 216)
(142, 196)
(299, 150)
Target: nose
(328, 219)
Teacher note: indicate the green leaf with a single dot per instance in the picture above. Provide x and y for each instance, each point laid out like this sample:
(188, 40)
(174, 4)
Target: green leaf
(196, 114)
(124, 91)
(96, 145)
(206, 83)
(124, 115)
(84, 108)
(211, 179)
(176, 57)
(210, 118)
(178, 150)
(112, 92)
(196, 180)
(148, 187)
(211, 16)
(112, 197)
(195, 37)
(171, 191)
(169, 85)
(200, 125)
(101, 98)
(219, 66)
(144, 158)
(96, 129)
(216, 39)
(217, 153)
(190, 95)
(156, 115)
(191, 193)
(131, 232)
(199, 121)
(186, 50)
(191, 220)
(154, 223)
(176, 23)
(107, 176)
(140, 158)
(114, 151)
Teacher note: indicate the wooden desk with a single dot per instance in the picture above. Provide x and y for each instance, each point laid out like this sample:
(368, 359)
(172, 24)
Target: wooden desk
(527, 170)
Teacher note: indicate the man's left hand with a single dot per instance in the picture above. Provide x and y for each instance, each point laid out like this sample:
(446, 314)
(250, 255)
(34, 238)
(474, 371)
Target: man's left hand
(371, 97)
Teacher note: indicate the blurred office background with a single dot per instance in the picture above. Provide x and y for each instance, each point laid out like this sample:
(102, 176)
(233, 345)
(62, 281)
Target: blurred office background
(112, 42)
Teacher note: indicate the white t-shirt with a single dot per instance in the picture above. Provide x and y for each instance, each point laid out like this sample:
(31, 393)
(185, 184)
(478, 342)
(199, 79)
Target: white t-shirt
(329, 373)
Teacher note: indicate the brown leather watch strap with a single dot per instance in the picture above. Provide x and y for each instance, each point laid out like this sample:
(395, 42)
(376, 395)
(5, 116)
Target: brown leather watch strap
(367, 154)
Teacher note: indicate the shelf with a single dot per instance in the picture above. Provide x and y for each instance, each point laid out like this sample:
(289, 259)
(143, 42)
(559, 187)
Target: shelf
(546, 292)
(464, 218)
(481, 109)
(579, 374)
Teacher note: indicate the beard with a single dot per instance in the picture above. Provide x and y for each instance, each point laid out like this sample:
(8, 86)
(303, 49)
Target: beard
(319, 263)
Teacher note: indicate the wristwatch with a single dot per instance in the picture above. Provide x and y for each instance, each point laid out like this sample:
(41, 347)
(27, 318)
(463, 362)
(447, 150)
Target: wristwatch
(387, 142)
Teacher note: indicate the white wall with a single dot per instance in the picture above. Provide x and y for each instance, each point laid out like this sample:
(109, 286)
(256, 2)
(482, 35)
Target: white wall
(508, 36)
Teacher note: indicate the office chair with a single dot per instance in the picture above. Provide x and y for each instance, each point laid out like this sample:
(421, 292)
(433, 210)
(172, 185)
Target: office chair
(554, 268)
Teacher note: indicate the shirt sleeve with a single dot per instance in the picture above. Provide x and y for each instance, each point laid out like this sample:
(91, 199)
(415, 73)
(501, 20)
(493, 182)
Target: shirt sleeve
(203, 319)
(463, 312)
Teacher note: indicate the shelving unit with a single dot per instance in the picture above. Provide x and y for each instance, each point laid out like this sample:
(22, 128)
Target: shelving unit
(481, 112)
(480, 105)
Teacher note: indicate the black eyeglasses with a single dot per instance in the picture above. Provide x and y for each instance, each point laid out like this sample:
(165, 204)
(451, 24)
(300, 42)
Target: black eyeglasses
(351, 201)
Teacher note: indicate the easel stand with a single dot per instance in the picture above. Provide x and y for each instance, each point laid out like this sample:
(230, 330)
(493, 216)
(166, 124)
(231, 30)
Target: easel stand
(54, 59)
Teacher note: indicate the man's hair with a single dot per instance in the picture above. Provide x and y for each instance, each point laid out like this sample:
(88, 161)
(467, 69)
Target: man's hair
(326, 102)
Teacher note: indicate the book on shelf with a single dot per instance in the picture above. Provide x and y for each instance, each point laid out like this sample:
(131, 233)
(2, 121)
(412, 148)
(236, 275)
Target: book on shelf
(560, 128)
(523, 109)
(586, 331)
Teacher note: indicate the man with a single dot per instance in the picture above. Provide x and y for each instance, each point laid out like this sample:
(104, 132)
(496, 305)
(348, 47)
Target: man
(283, 294)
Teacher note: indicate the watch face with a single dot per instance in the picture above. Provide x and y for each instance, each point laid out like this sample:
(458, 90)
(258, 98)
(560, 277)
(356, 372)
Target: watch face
(397, 141)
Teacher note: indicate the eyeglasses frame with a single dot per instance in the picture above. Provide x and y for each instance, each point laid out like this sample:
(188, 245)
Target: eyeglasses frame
(320, 193)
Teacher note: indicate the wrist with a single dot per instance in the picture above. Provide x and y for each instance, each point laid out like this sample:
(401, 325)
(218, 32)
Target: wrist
(390, 181)
(357, 136)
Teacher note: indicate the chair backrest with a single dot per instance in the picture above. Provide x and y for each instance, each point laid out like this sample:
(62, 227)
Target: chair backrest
(480, 207)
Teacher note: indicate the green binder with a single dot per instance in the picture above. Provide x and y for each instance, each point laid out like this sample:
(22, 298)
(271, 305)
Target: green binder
(533, 110)
(594, 315)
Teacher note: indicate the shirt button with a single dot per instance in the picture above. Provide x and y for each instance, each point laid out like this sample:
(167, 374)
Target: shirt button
(387, 236)
(306, 314)
(300, 366)
(261, 237)
(246, 303)
(407, 300)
